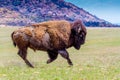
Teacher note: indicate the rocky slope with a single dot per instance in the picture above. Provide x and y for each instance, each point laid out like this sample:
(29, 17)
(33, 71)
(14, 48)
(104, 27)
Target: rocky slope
(25, 12)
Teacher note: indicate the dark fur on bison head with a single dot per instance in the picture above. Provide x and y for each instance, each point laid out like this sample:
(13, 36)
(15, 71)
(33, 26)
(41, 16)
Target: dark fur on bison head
(79, 31)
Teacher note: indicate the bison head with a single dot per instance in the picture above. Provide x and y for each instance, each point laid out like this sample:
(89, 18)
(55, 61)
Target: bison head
(79, 32)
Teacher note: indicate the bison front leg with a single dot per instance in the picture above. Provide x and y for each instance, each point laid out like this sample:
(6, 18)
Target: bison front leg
(65, 55)
(52, 55)
(23, 54)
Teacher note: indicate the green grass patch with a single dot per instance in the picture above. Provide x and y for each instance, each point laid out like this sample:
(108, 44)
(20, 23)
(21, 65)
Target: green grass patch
(98, 59)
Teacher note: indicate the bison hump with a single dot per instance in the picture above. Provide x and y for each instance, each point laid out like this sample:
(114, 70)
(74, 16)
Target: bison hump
(60, 34)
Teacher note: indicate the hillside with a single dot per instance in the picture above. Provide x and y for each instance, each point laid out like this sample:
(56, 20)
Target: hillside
(25, 12)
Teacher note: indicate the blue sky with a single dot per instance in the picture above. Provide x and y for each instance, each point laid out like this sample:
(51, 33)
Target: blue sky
(108, 10)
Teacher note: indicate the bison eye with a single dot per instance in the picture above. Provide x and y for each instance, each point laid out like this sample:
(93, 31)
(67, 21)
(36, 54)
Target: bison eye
(81, 35)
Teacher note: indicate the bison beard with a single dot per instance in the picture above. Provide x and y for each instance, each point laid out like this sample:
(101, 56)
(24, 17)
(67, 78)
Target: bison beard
(52, 36)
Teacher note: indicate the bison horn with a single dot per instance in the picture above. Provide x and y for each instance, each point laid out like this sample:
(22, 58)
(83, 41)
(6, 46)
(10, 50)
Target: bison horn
(79, 29)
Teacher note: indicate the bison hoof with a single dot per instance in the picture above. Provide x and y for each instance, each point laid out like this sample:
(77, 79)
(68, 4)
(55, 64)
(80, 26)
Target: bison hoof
(71, 64)
(49, 61)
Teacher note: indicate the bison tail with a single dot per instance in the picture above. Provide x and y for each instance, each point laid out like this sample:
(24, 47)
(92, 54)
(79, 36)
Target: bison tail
(13, 39)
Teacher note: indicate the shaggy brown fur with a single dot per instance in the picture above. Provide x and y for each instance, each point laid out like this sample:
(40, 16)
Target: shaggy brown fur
(51, 36)
(59, 32)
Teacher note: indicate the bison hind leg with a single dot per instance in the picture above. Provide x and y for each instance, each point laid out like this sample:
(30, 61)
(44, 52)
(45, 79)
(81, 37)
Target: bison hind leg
(52, 55)
(23, 54)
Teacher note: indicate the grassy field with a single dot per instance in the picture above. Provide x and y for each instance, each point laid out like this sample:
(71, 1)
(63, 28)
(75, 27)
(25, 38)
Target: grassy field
(98, 59)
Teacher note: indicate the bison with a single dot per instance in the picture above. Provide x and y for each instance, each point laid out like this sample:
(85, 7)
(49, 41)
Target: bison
(54, 37)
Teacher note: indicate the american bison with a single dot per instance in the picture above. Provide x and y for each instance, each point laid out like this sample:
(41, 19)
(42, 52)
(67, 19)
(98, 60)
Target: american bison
(54, 37)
